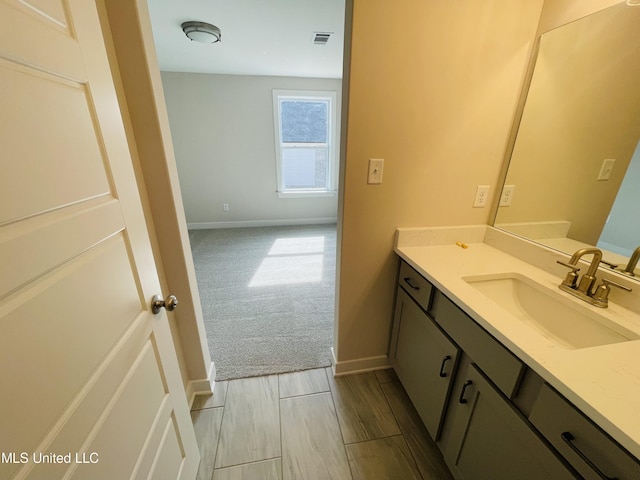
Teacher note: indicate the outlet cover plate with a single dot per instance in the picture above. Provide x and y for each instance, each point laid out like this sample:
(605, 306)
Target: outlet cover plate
(507, 195)
(482, 194)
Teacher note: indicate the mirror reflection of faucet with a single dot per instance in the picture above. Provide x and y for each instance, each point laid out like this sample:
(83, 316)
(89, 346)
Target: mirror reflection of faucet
(583, 287)
(633, 263)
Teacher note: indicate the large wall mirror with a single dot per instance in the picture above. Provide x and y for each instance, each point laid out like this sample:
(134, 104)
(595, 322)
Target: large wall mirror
(575, 163)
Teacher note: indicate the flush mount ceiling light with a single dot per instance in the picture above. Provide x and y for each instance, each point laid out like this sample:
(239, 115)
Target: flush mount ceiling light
(202, 32)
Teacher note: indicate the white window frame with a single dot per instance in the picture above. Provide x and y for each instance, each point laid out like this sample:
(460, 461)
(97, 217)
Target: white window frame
(332, 142)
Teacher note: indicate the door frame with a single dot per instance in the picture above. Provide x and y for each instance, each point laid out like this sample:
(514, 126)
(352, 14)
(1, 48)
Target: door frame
(130, 47)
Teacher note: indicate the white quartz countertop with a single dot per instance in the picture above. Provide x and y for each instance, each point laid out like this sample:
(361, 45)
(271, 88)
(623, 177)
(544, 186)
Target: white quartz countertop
(602, 381)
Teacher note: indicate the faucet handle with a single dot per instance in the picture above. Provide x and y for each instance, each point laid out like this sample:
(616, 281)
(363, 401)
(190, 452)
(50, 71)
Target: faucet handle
(601, 295)
(572, 266)
(606, 282)
(571, 279)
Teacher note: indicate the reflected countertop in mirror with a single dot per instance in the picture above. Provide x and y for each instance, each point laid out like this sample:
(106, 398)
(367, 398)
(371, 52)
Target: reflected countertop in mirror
(582, 111)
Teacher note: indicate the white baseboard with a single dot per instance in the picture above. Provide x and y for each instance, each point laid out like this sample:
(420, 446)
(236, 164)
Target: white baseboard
(262, 223)
(360, 365)
(203, 386)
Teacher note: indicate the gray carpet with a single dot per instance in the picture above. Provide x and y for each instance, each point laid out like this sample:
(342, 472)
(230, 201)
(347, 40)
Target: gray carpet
(267, 297)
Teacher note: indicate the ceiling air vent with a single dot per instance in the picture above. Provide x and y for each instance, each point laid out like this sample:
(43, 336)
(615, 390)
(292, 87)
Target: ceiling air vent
(321, 38)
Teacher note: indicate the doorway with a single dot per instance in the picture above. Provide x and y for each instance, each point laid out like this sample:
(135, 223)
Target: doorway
(222, 125)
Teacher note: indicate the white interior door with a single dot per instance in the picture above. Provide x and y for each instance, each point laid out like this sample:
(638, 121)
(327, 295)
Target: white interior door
(89, 382)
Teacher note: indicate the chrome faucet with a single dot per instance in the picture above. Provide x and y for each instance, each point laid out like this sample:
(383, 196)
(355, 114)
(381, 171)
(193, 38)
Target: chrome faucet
(633, 262)
(583, 287)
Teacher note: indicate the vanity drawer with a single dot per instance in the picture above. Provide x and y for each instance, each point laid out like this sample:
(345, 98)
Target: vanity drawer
(499, 364)
(585, 446)
(415, 285)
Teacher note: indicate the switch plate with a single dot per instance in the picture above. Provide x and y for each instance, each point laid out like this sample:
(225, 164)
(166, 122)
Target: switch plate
(482, 193)
(606, 168)
(376, 165)
(225, 207)
(507, 195)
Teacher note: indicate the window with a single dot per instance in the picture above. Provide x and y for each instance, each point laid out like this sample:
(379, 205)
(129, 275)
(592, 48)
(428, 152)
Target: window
(305, 128)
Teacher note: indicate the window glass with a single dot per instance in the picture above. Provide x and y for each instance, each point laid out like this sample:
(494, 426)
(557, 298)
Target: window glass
(304, 121)
(305, 127)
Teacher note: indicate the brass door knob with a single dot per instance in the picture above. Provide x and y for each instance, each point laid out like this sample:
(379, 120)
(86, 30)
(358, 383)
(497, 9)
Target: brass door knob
(157, 303)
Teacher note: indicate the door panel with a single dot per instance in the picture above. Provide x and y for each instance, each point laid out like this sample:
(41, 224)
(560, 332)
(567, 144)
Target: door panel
(85, 367)
(72, 430)
(26, 30)
(138, 401)
(60, 118)
(53, 9)
(49, 235)
(167, 463)
(67, 337)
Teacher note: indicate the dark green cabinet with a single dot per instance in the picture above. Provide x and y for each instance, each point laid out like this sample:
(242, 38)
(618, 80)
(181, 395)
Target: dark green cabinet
(490, 440)
(462, 382)
(424, 360)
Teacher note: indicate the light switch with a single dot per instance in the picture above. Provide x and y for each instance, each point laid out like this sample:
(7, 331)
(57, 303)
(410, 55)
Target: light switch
(606, 168)
(376, 166)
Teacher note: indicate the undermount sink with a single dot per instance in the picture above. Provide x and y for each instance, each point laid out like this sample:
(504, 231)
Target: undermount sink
(558, 318)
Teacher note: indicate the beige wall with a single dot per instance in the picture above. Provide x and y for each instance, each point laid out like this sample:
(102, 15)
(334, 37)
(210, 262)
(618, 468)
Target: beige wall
(433, 89)
(560, 12)
(581, 109)
(223, 135)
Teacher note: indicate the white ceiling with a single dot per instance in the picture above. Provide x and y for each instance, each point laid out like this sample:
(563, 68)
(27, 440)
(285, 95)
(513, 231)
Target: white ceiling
(259, 37)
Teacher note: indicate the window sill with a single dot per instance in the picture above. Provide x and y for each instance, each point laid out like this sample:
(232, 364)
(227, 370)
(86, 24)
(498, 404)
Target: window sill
(307, 194)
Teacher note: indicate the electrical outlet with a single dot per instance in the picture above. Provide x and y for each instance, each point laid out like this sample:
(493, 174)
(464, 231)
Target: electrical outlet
(507, 195)
(606, 168)
(225, 207)
(376, 166)
(482, 193)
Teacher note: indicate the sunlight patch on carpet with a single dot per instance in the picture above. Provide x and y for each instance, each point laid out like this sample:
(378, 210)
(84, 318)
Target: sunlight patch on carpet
(297, 245)
(291, 260)
(288, 270)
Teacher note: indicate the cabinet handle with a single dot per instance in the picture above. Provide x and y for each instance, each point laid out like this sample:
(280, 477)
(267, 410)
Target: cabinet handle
(568, 439)
(408, 282)
(444, 361)
(464, 389)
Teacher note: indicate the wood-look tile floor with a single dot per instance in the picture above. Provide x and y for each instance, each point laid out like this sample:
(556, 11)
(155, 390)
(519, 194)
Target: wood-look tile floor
(309, 425)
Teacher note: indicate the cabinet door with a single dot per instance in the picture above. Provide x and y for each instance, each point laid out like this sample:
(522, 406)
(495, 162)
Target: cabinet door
(491, 440)
(591, 451)
(424, 359)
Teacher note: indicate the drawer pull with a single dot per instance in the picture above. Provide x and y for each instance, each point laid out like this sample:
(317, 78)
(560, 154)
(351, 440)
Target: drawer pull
(408, 282)
(568, 438)
(464, 389)
(444, 361)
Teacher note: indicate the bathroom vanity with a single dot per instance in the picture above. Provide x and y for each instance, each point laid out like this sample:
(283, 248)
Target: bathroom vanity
(504, 394)
(514, 377)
